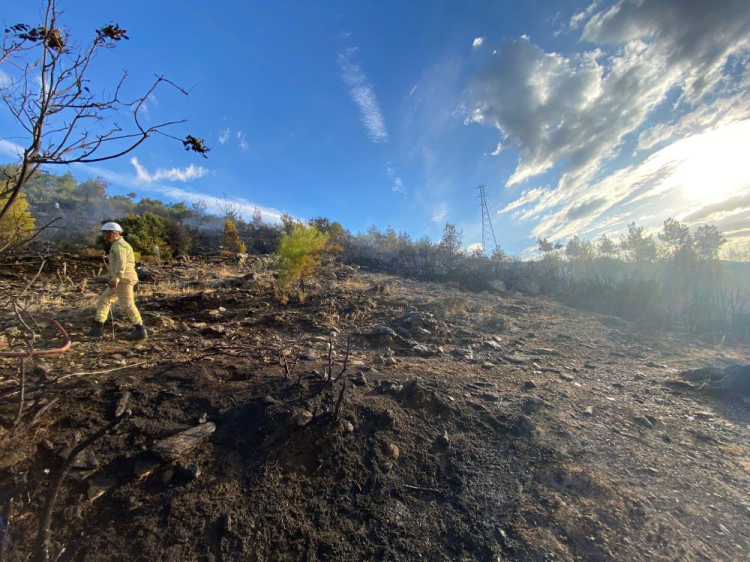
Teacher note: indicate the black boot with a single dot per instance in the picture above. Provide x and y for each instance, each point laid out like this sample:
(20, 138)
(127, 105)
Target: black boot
(138, 333)
(97, 330)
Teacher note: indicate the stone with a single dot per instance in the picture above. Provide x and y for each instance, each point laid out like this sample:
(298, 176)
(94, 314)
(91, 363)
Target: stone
(391, 361)
(167, 475)
(173, 447)
(145, 467)
(348, 427)
(393, 451)
(303, 418)
(704, 415)
(423, 350)
(488, 365)
(379, 360)
(444, 439)
(188, 471)
(524, 426)
(359, 379)
(308, 356)
(497, 285)
(390, 387)
(529, 385)
(643, 421)
(515, 359)
(463, 353)
(589, 411)
(268, 400)
(533, 404)
(566, 377)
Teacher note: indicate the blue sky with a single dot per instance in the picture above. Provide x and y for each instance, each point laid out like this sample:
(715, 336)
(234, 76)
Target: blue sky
(578, 117)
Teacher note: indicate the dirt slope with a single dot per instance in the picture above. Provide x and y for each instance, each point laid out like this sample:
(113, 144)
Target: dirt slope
(472, 427)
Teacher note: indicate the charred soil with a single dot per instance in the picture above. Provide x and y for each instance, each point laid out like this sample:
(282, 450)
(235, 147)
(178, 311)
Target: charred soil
(459, 426)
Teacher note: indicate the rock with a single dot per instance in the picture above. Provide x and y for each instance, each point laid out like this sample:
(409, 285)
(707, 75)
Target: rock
(43, 371)
(589, 411)
(393, 451)
(203, 418)
(530, 286)
(463, 353)
(497, 285)
(86, 459)
(444, 439)
(704, 415)
(390, 387)
(643, 421)
(303, 418)
(268, 400)
(348, 427)
(391, 361)
(490, 397)
(145, 467)
(173, 447)
(359, 379)
(167, 475)
(422, 350)
(308, 356)
(566, 377)
(529, 385)
(655, 365)
(515, 359)
(382, 332)
(533, 404)
(122, 403)
(524, 426)
(379, 360)
(491, 344)
(488, 365)
(188, 471)
(98, 486)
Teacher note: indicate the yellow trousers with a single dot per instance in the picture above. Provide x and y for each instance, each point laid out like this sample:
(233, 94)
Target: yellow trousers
(123, 294)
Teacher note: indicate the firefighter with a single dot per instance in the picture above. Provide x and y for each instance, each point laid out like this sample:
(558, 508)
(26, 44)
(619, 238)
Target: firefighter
(122, 280)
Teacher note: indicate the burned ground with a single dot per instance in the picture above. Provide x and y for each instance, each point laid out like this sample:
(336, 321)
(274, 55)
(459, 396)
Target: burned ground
(473, 426)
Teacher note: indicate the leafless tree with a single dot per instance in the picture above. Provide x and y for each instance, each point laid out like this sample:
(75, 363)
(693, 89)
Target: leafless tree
(61, 120)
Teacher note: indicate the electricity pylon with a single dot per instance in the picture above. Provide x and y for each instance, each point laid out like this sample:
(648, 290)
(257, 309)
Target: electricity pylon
(488, 233)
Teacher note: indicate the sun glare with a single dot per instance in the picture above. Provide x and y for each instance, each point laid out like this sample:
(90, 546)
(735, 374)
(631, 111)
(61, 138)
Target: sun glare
(712, 166)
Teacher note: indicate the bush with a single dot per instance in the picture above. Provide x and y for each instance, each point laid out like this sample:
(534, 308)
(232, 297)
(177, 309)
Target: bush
(299, 256)
(231, 241)
(17, 224)
(147, 234)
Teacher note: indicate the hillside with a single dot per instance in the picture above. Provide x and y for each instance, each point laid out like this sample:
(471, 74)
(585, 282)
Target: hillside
(473, 426)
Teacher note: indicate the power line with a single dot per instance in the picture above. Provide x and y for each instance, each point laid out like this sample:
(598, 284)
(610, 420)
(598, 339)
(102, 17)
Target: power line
(218, 29)
(315, 31)
(292, 44)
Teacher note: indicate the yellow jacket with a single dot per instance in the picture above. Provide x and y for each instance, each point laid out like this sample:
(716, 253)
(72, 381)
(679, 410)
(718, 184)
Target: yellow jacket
(122, 263)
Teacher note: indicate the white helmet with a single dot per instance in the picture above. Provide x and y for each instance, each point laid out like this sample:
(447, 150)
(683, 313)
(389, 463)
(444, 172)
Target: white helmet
(113, 226)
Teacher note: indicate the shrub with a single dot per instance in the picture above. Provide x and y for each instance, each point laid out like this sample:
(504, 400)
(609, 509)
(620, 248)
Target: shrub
(17, 224)
(231, 241)
(299, 256)
(147, 234)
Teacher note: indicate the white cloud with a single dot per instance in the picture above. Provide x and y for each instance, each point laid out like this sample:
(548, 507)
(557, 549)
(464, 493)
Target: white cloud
(10, 149)
(697, 179)
(214, 204)
(224, 136)
(392, 172)
(581, 16)
(528, 196)
(242, 140)
(477, 42)
(192, 172)
(577, 110)
(363, 95)
(472, 247)
(5, 79)
(439, 213)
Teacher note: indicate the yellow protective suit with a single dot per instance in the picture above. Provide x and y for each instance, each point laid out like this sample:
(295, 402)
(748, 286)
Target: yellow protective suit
(122, 270)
